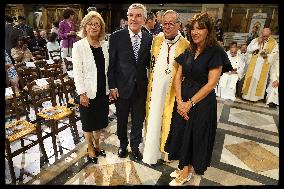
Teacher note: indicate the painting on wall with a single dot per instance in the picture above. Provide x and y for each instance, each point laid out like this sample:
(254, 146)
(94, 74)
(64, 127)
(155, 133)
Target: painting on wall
(258, 20)
(213, 13)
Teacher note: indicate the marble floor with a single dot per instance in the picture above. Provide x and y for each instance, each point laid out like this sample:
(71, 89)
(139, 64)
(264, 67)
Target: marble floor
(246, 152)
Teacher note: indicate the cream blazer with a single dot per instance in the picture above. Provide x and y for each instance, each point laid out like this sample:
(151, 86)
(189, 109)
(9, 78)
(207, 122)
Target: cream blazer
(84, 67)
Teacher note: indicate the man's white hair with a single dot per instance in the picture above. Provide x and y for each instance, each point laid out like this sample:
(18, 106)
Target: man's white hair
(138, 6)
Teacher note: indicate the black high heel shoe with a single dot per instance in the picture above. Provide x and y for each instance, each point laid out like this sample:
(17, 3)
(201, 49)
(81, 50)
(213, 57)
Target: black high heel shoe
(100, 153)
(92, 159)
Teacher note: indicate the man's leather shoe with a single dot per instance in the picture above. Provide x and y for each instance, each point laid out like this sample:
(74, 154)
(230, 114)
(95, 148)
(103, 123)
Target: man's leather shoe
(136, 156)
(122, 152)
(272, 105)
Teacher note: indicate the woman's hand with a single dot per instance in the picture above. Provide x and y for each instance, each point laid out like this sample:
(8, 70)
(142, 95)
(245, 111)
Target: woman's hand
(183, 108)
(84, 100)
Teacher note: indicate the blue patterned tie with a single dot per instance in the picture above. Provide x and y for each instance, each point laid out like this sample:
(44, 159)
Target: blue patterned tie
(136, 46)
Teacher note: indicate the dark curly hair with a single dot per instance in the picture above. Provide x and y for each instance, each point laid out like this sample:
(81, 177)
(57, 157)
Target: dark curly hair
(68, 12)
(204, 22)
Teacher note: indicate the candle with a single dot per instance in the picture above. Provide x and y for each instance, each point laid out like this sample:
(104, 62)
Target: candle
(273, 14)
(232, 13)
(247, 13)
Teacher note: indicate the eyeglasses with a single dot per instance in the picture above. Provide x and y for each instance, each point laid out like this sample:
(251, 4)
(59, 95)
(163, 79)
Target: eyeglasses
(94, 25)
(170, 24)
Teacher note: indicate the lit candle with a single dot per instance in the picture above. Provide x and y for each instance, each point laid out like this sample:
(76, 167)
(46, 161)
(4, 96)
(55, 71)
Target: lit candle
(247, 13)
(273, 14)
(232, 13)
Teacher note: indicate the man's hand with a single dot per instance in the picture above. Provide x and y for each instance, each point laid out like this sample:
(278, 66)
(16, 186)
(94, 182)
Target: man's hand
(275, 84)
(260, 40)
(114, 94)
(84, 100)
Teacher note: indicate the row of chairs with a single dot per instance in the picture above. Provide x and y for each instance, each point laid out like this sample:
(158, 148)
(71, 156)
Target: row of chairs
(21, 128)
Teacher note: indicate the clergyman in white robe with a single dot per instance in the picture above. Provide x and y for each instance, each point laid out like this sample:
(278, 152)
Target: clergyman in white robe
(272, 90)
(228, 81)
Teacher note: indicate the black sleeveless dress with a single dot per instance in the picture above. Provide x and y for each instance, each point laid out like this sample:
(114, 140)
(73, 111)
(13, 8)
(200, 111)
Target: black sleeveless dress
(95, 116)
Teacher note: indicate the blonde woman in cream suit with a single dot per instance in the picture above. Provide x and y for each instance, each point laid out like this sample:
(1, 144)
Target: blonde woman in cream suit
(90, 65)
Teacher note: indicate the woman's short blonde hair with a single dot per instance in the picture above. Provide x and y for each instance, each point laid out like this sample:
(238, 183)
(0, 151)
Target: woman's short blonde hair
(92, 14)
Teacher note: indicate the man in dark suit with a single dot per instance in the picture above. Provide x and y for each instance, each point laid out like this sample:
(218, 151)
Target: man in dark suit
(149, 23)
(129, 54)
(11, 34)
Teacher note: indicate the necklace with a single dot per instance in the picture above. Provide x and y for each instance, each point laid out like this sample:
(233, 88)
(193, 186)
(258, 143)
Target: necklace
(167, 70)
(94, 44)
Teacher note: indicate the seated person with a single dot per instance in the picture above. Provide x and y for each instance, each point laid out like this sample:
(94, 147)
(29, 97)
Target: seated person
(11, 72)
(228, 81)
(53, 45)
(36, 42)
(21, 53)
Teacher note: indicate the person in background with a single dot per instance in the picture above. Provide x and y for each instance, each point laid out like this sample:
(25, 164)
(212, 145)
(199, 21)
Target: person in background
(181, 30)
(21, 53)
(52, 44)
(15, 20)
(229, 81)
(37, 42)
(122, 24)
(127, 76)
(245, 56)
(149, 23)
(158, 26)
(43, 35)
(219, 30)
(252, 35)
(263, 50)
(11, 34)
(66, 32)
(187, 34)
(55, 27)
(11, 72)
(272, 98)
(194, 120)
(27, 30)
(90, 64)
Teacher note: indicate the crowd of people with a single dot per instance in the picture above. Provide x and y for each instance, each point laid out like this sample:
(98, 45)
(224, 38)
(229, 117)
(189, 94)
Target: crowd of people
(158, 74)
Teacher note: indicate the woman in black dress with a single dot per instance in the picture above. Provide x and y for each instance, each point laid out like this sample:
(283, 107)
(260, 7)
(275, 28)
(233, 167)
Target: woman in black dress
(90, 63)
(194, 119)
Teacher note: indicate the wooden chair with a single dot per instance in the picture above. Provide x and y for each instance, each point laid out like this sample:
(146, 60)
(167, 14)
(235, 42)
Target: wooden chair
(54, 71)
(27, 75)
(54, 114)
(40, 54)
(40, 65)
(19, 129)
(56, 54)
(69, 89)
(69, 64)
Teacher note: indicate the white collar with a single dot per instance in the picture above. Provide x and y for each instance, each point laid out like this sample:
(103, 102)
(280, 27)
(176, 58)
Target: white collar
(177, 37)
(132, 34)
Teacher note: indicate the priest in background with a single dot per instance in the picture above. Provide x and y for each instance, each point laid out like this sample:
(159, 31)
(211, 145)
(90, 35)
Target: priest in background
(263, 50)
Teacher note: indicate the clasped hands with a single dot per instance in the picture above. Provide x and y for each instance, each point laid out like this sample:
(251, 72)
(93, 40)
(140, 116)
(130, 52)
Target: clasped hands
(183, 108)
